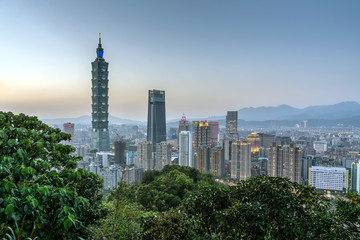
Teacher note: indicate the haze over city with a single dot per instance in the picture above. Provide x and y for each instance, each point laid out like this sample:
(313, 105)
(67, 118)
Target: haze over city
(208, 56)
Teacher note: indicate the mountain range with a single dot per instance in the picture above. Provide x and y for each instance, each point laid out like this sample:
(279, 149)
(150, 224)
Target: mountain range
(285, 112)
(344, 112)
(86, 119)
(347, 113)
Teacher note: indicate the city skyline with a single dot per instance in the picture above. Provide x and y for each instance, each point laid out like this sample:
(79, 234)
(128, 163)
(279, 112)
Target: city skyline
(209, 56)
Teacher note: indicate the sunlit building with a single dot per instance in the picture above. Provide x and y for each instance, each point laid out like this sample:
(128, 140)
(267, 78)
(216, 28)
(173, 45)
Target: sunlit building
(201, 133)
(254, 139)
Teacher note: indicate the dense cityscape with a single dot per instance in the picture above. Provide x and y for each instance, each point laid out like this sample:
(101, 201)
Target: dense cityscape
(191, 120)
(325, 158)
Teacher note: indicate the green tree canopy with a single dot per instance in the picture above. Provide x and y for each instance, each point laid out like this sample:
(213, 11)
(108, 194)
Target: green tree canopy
(259, 208)
(41, 190)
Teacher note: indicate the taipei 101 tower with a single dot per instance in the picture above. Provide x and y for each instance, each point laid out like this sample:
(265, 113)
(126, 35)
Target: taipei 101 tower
(100, 140)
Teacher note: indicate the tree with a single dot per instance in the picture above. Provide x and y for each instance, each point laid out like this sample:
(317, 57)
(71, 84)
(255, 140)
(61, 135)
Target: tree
(259, 208)
(41, 190)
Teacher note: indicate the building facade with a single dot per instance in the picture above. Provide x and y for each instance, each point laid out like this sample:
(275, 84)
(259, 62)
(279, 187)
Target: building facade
(162, 155)
(328, 178)
(355, 176)
(254, 139)
(241, 160)
(183, 125)
(156, 122)
(201, 133)
(144, 156)
(185, 148)
(120, 155)
(285, 161)
(231, 124)
(214, 132)
(100, 139)
(217, 163)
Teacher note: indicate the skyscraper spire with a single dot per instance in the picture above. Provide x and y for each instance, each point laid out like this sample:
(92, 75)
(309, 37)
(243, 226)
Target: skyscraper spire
(100, 50)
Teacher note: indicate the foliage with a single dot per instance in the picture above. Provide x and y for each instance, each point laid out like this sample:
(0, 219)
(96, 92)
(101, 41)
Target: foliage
(259, 208)
(170, 225)
(124, 216)
(40, 187)
(348, 210)
(166, 189)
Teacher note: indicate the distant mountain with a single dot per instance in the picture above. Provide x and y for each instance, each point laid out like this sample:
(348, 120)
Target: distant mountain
(347, 113)
(86, 119)
(284, 112)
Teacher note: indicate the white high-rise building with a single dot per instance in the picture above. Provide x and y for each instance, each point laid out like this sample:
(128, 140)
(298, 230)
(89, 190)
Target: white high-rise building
(185, 149)
(355, 176)
(328, 178)
(320, 146)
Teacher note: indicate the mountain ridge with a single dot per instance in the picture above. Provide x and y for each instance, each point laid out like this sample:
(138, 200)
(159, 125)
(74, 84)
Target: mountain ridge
(283, 112)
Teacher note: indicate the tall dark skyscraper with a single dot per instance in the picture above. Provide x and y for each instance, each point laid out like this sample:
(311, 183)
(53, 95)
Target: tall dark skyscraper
(156, 124)
(100, 125)
(120, 147)
(231, 124)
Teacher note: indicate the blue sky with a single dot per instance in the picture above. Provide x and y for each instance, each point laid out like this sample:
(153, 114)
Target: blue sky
(209, 56)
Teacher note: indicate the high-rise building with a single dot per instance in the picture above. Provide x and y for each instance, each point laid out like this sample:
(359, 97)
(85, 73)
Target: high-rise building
(183, 124)
(231, 124)
(329, 178)
(254, 139)
(162, 155)
(307, 162)
(144, 156)
(214, 132)
(70, 129)
(201, 133)
(185, 148)
(241, 160)
(285, 161)
(217, 163)
(100, 125)
(203, 159)
(227, 148)
(156, 124)
(355, 176)
(120, 156)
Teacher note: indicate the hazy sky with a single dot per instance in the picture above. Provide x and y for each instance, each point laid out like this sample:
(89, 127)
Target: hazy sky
(209, 56)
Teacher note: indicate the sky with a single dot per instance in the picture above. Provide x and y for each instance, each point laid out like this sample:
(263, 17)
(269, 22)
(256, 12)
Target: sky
(209, 56)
